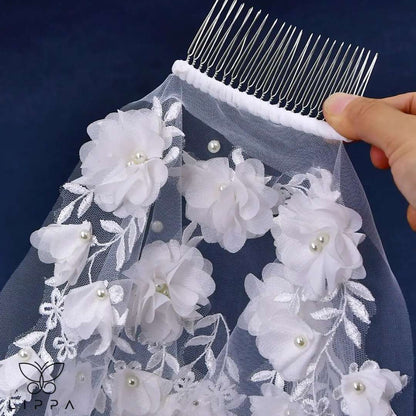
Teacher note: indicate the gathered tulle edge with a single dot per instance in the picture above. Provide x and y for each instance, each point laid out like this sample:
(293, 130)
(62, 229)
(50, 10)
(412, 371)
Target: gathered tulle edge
(252, 104)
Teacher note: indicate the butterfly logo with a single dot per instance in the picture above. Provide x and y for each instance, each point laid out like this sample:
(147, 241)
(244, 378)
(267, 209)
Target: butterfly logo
(40, 377)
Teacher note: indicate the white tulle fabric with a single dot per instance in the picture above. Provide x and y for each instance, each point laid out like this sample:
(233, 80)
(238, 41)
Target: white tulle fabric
(127, 305)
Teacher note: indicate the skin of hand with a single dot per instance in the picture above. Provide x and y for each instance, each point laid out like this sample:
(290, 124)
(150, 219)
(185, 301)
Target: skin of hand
(389, 126)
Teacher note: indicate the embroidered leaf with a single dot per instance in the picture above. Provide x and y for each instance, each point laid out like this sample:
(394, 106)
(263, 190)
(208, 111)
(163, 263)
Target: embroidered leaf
(199, 340)
(124, 346)
(30, 339)
(237, 156)
(75, 188)
(172, 131)
(121, 320)
(45, 356)
(155, 360)
(295, 304)
(172, 362)
(157, 106)
(360, 290)
(172, 155)
(51, 281)
(206, 321)
(111, 226)
(173, 111)
(358, 309)
(210, 362)
(352, 332)
(265, 375)
(132, 235)
(101, 402)
(301, 389)
(325, 313)
(120, 254)
(279, 382)
(232, 369)
(85, 205)
(65, 213)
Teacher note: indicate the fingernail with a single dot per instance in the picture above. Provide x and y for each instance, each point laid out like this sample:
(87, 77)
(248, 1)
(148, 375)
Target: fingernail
(336, 103)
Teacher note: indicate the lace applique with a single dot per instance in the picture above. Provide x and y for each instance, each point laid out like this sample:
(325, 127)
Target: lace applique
(154, 304)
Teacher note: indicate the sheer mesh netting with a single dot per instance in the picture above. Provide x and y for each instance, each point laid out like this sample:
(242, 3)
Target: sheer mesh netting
(204, 261)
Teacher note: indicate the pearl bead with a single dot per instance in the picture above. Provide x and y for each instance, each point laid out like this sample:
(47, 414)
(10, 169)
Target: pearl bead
(323, 238)
(287, 412)
(130, 163)
(157, 226)
(222, 187)
(300, 341)
(358, 386)
(81, 377)
(101, 293)
(214, 146)
(139, 158)
(163, 289)
(195, 403)
(24, 355)
(132, 381)
(85, 235)
(314, 246)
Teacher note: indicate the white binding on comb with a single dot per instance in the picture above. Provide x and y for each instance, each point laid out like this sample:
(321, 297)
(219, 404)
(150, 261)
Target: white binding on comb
(272, 63)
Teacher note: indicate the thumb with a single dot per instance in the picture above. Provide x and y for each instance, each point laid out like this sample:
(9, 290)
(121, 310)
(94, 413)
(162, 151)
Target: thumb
(377, 122)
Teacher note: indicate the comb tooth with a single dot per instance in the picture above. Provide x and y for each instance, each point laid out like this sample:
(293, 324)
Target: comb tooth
(280, 69)
(223, 59)
(298, 84)
(319, 81)
(214, 43)
(256, 76)
(262, 77)
(221, 43)
(198, 35)
(206, 34)
(235, 57)
(251, 67)
(367, 76)
(246, 51)
(276, 63)
(294, 74)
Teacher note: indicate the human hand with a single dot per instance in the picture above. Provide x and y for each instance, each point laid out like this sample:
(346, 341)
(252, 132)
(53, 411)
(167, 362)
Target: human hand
(389, 126)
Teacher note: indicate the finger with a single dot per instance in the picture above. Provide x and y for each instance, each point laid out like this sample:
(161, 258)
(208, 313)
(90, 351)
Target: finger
(411, 217)
(373, 121)
(403, 102)
(379, 158)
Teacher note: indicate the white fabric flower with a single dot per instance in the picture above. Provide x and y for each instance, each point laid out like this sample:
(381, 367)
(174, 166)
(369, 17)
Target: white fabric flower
(318, 183)
(65, 245)
(172, 281)
(230, 205)
(75, 385)
(317, 238)
(273, 316)
(204, 398)
(274, 401)
(20, 370)
(123, 163)
(135, 392)
(89, 310)
(367, 391)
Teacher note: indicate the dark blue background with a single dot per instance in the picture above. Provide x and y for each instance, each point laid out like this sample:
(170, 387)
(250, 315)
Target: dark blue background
(65, 64)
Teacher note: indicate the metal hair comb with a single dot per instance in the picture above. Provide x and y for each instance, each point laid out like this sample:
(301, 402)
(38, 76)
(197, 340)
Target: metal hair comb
(276, 62)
